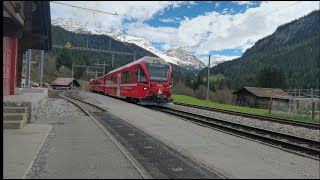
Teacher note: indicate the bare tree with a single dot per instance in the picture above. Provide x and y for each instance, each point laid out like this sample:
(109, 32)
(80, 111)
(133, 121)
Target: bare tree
(223, 96)
(180, 88)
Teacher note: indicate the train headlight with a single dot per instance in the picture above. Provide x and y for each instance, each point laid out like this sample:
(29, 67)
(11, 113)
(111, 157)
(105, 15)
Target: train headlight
(145, 88)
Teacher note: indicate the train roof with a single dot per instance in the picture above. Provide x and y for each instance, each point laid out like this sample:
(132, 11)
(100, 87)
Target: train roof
(147, 59)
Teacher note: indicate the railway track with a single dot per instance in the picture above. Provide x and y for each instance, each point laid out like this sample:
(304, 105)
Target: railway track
(150, 163)
(86, 107)
(302, 146)
(308, 147)
(263, 118)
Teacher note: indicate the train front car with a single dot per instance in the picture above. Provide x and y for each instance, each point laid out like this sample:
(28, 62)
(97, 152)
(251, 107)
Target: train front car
(159, 79)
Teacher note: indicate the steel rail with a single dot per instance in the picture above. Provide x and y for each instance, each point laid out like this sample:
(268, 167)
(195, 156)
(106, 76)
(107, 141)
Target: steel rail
(307, 146)
(260, 117)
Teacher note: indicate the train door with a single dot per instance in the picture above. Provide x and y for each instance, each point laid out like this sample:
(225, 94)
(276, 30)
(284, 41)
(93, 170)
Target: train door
(118, 84)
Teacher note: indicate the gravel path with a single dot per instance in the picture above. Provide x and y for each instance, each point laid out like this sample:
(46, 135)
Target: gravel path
(61, 108)
(282, 128)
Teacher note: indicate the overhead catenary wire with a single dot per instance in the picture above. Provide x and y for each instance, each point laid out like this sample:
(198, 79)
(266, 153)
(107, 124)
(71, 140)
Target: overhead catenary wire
(88, 9)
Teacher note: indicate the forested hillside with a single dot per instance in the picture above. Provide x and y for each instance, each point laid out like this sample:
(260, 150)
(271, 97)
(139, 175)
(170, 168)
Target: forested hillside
(293, 49)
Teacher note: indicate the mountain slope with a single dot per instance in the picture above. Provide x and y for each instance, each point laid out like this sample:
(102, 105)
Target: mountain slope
(73, 25)
(294, 47)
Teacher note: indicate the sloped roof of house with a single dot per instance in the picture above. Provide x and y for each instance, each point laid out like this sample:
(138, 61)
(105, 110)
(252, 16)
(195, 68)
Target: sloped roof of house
(63, 81)
(266, 92)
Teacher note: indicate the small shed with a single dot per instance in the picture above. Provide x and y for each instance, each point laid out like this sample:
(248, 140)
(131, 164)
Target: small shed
(65, 83)
(260, 97)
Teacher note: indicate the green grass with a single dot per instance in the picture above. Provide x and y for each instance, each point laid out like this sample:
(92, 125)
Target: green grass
(263, 112)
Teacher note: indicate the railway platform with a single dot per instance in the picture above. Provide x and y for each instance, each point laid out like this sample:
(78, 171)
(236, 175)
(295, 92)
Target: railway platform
(20, 147)
(32, 98)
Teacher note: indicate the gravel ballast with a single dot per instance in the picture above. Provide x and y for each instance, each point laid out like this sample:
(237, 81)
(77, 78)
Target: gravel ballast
(61, 108)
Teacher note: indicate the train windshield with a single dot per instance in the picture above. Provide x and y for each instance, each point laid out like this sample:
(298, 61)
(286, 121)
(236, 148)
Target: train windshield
(158, 72)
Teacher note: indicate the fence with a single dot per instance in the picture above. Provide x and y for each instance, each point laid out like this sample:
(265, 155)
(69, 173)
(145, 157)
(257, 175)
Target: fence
(301, 103)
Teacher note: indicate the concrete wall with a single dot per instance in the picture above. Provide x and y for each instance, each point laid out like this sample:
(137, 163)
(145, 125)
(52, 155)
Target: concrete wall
(34, 99)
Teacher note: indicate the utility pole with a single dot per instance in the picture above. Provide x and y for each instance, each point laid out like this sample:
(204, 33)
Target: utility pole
(104, 66)
(312, 105)
(28, 57)
(41, 68)
(87, 39)
(208, 79)
(72, 70)
(112, 60)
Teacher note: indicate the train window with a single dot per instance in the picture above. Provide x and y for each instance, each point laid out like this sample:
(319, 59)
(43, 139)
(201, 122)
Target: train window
(171, 80)
(111, 80)
(158, 72)
(123, 77)
(136, 75)
(129, 77)
(142, 77)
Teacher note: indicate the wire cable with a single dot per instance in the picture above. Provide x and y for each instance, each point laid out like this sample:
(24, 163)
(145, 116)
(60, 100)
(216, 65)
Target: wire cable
(115, 14)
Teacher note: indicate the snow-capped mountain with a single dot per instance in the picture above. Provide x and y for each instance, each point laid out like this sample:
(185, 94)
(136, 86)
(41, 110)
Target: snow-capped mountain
(179, 56)
(187, 58)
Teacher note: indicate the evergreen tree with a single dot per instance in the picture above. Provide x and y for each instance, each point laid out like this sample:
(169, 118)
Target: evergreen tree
(271, 77)
(188, 81)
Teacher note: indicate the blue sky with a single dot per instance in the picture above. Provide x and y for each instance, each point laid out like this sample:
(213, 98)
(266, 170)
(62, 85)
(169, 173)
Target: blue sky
(224, 29)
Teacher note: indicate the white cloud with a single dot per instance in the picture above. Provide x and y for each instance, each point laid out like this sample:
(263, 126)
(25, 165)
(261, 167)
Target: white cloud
(216, 59)
(217, 5)
(165, 47)
(152, 34)
(166, 20)
(224, 11)
(247, 46)
(227, 35)
(243, 2)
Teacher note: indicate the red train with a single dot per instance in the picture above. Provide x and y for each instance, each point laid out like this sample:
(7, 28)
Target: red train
(147, 81)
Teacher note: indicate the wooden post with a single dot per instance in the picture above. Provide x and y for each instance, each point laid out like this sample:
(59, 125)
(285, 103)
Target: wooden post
(13, 77)
(28, 57)
(270, 105)
(41, 68)
(312, 105)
